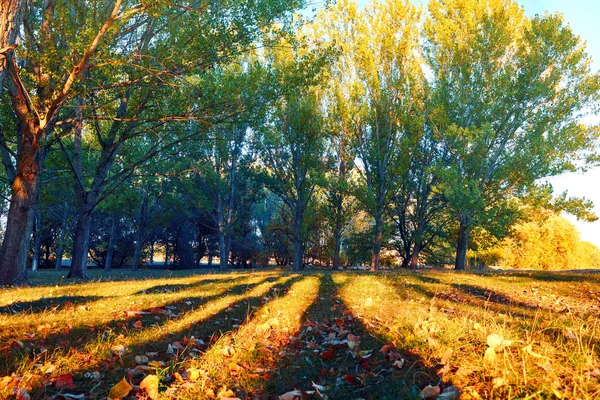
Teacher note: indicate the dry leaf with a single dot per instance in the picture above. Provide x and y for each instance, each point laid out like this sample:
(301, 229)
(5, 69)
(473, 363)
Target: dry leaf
(429, 392)
(65, 381)
(449, 393)
(293, 395)
(353, 341)
(193, 374)
(498, 382)
(399, 363)
(369, 302)
(150, 384)
(497, 342)
(446, 356)
(490, 355)
(138, 324)
(120, 390)
(21, 394)
(529, 350)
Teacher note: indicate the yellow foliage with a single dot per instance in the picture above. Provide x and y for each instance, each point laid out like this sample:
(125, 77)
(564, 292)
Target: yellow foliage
(551, 243)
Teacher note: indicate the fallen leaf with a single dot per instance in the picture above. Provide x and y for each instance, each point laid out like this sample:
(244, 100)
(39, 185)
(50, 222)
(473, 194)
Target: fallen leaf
(490, 355)
(449, 393)
(498, 382)
(21, 394)
(193, 374)
(429, 392)
(120, 390)
(368, 302)
(353, 341)
(445, 359)
(293, 395)
(138, 324)
(150, 385)
(497, 342)
(351, 379)
(139, 360)
(529, 350)
(399, 363)
(328, 355)
(178, 346)
(569, 334)
(64, 381)
(387, 348)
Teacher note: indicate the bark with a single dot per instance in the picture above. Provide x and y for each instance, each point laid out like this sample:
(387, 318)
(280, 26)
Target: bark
(37, 242)
(137, 251)
(414, 259)
(151, 261)
(462, 244)
(110, 250)
(298, 261)
(337, 243)
(81, 242)
(377, 243)
(11, 17)
(19, 221)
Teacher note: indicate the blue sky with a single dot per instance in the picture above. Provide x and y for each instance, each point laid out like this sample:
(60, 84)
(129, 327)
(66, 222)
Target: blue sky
(584, 18)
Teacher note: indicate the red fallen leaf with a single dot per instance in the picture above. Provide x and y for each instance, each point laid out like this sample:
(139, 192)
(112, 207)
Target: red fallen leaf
(311, 323)
(65, 381)
(365, 365)
(138, 324)
(430, 392)
(328, 355)
(351, 379)
(324, 372)
(67, 304)
(178, 346)
(339, 322)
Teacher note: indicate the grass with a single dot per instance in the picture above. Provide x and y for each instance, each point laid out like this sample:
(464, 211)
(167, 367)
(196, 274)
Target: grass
(314, 335)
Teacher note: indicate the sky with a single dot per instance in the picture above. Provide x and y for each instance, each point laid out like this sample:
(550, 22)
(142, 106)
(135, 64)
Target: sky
(584, 18)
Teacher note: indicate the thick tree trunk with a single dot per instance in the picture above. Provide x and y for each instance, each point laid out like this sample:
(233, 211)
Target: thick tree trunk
(60, 251)
(81, 242)
(11, 14)
(337, 246)
(377, 244)
(462, 244)
(19, 221)
(223, 253)
(37, 241)
(167, 252)
(110, 250)
(414, 259)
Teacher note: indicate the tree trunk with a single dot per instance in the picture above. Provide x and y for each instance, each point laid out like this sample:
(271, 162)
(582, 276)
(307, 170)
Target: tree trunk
(462, 244)
(298, 262)
(137, 251)
(19, 222)
(11, 14)
(110, 250)
(377, 244)
(337, 243)
(151, 261)
(37, 241)
(81, 242)
(414, 259)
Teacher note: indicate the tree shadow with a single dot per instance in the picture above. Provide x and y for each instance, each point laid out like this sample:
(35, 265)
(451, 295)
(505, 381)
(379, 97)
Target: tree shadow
(171, 287)
(344, 373)
(47, 304)
(79, 339)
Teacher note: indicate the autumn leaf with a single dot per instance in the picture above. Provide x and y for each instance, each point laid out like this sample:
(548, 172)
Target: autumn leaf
(65, 381)
(120, 390)
(150, 385)
(497, 342)
(430, 392)
(449, 393)
(328, 355)
(293, 395)
(490, 355)
(353, 341)
(138, 324)
(21, 394)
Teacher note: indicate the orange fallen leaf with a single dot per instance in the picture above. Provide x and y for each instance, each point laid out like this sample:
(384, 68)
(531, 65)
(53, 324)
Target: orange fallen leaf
(120, 390)
(150, 384)
(350, 379)
(138, 324)
(21, 394)
(177, 376)
(387, 348)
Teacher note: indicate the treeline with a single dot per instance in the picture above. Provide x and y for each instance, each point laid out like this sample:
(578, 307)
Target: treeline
(383, 135)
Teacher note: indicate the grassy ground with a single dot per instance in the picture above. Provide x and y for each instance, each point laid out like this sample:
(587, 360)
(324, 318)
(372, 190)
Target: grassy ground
(311, 335)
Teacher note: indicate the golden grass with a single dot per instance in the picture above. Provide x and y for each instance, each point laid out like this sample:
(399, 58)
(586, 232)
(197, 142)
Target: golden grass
(259, 335)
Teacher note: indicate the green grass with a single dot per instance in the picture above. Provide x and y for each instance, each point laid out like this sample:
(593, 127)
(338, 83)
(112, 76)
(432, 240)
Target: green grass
(260, 335)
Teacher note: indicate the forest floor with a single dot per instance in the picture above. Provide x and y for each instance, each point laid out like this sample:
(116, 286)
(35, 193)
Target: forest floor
(270, 334)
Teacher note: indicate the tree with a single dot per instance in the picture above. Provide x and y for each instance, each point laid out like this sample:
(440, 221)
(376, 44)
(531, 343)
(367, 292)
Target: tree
(507, 94)
(378, 65)
(292, 148)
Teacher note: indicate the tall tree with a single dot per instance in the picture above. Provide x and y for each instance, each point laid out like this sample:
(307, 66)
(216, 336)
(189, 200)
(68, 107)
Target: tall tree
(292, 148)
(508, 94)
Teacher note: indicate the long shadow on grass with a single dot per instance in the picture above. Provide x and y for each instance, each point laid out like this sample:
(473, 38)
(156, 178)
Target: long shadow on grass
(84, 338)
(46, 304)
(555, 276)
(309, 357)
